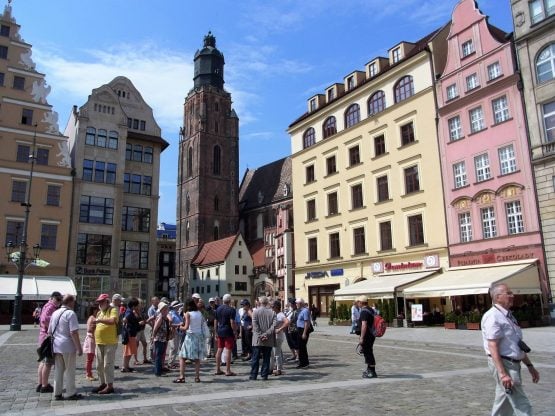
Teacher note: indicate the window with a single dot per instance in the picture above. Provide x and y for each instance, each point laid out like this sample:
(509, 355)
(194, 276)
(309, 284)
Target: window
(332, 203)
(312, 249)
(330, 127)
(376, 103)
(476, 119)
(190, 162)
(216, 203)
(2, 79)
(14, 232)
(147, 186)
(334, 245)
(379, 145)
(350, 83)
(549, 121)
(472, 82)
(137, 153)
(452, 92)
(494, 71)
(23, 152)
(88, 170)
(356, 196)
(312, 104)
(113, 138)
(407, 134)
(455, 128)
(412, 183)
(481, 164)
(545, 64)
(19, 191)
(500, 109)
(27, 117)
(133, 255)
(216, 160)
(142, 126)
(96, 210)
(372, 70)
(94, 249)
(507, 160)
(101, 136)
(386, 237)
(309, 138)
(396, 54)
(241, 286)
(18, 83)
(236, 269)
(42, 156)
(352, 115)
(382, 185)
(331, 95)
(416, 230)
(359, 240)
(53, 193)
(3, 52)
(465, 227)
(5, 31)
(135, 219)
(90, 136)
(99, 174)
(541, 9)
(459, 175)
(311, 210)
(404, 89)
(354, 155)
(515, 224)
(309, 173)
(48, 236)
(467, 48)
(135, 184)
(111, 173)
(331, 166)
(489, 229)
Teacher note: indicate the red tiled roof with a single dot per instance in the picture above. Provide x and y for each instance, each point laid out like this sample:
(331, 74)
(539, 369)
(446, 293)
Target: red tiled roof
(214, 252)
(258, 254)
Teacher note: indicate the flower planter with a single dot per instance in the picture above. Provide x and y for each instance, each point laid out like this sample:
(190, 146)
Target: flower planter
(475, 326)
(450, 325)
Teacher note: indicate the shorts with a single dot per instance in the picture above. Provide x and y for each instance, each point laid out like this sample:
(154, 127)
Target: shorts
(226, 342)
(141, 336)
(48, 361)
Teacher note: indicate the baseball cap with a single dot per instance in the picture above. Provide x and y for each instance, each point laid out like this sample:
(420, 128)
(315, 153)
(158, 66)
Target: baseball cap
(245, 302)
(195, 296)
(117, 296)
(212, 300)
(362, 298)
(161, 306)
(102, 297)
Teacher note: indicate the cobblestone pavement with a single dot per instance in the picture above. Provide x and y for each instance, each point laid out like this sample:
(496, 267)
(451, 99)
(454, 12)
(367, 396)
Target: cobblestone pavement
(423, 371)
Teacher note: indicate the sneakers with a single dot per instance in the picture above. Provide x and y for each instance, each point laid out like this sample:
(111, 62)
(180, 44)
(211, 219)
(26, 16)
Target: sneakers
(369, 374)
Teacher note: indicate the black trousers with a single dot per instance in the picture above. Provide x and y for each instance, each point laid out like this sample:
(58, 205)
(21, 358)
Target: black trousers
(303, 352)
(368, 350)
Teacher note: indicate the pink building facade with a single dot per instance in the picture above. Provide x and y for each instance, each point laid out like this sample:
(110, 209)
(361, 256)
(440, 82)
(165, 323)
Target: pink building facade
(488, 182)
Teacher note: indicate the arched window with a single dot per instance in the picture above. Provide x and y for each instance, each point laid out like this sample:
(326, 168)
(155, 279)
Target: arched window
(376, 103)
(309, 138)
(404, 89)
(216, 164)
(545, 64)
(216, 203)
(190, 162)
(187, 232)
(330, 127)
(187, 203)
(352, 115)
(90, 136)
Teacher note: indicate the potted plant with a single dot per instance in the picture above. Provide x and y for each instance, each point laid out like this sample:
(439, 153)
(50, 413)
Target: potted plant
(461, 321)
(473, 320)
(450, 320)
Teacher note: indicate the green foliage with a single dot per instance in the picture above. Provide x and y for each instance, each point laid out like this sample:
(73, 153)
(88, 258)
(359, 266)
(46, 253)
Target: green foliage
(343, 312)
(387, 309)
(333, 310)
(474, 317)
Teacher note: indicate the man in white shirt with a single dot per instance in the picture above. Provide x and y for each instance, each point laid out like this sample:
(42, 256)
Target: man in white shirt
(503, 344)
(355, 315)
(65, 329)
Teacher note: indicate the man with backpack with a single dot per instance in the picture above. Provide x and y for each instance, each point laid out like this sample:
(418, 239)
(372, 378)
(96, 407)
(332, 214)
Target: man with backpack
(367, 337)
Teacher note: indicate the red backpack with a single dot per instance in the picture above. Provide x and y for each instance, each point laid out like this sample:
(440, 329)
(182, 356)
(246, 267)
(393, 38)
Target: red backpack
(379, 326)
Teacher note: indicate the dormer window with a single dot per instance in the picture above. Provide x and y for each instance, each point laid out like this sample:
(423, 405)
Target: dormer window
(396, 55)
(331, 94)
(350, 83)
(467, 48)
(313, 104)
(372, 69)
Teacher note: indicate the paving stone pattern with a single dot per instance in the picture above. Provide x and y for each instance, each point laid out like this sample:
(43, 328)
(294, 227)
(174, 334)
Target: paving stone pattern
(426, 371)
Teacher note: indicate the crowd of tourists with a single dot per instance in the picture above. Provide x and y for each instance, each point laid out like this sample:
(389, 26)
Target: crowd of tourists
(169, 336)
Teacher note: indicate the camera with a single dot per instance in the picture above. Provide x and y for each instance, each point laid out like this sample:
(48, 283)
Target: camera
(522, 345)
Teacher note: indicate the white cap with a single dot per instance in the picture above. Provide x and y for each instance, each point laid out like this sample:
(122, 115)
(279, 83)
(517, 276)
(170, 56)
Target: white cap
(195, 296)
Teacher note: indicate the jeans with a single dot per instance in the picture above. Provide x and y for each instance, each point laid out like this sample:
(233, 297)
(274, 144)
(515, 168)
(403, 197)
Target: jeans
(159, 354)
(266, 353)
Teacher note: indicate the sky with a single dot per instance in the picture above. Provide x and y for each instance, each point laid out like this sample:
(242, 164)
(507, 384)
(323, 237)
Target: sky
(278, 54)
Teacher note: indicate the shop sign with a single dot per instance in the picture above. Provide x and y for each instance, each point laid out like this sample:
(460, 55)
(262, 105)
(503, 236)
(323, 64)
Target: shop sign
(132, 275)
(315, 275)
(92, 270)
(392, 267)
(336, 272)
(490, 257)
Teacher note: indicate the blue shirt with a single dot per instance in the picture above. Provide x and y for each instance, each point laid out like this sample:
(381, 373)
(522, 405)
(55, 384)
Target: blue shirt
(304, 316)
(224, 315)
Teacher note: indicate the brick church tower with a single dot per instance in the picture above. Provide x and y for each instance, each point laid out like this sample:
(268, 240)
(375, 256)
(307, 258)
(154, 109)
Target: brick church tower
(207, 185)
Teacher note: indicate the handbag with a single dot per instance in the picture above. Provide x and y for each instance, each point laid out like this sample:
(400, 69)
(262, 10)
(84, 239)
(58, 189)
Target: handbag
(310, 327)
(124, 335)
(46, 348)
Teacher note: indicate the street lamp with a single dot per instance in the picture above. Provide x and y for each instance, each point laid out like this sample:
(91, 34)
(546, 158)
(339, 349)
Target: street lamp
(21, 259)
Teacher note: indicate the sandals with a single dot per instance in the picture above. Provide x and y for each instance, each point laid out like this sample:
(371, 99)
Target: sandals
(197, 379)
(180, 380)
(230, 374)
(127, 370)
(219, 373)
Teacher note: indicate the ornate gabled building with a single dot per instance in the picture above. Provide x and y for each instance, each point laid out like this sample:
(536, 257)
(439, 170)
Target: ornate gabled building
(30, 140)
(115, 145)
(207, 185)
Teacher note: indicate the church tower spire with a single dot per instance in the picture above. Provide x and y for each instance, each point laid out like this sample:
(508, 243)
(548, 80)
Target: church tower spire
(208, 171)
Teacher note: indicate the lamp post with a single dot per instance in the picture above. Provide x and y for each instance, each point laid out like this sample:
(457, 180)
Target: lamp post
(22, 260)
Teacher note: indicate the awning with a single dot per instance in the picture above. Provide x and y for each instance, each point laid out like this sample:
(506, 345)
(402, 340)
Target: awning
(36, 287)
(521, 276)
(380, 287)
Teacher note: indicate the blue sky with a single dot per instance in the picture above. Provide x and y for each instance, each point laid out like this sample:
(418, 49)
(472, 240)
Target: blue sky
(278, 54)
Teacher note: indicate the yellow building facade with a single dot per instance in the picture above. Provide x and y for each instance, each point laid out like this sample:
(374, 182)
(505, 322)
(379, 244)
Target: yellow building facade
(367, 193)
